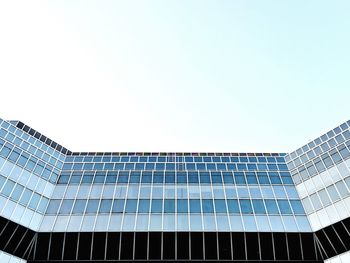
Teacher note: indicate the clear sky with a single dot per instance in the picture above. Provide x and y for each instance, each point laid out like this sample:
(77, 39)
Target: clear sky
(226, 76)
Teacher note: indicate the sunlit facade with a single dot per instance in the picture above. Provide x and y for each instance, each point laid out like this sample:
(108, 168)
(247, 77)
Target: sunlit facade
(58, 205)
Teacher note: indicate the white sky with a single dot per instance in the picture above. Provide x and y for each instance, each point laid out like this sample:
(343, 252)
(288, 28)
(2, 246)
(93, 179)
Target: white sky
(225, 76)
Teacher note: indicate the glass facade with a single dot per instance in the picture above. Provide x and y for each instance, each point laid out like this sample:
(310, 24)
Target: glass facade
(279, 206)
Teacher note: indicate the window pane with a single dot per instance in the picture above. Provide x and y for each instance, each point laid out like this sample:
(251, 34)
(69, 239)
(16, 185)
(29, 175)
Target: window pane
(195, 206)
(220, 206)
(232, 206)
(259, 207)
(207, 205)
(143, 206)
(66, 207)
(53, 207)
(271, 207)
(92, 206)
(131, 205)
(297, 207)
(246, 206)
(118, 206)
(284, 206)
(157, 206)
(105, 206)
(79, 206)
(182, 205)
(169, 206)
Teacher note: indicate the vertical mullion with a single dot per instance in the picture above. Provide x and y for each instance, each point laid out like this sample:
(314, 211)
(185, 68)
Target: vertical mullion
(120, 244)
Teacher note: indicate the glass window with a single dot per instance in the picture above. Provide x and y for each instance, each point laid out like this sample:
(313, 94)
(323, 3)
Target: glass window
(271, 206)
(193, 178)
(232, 205)
(92, 206)
(123, 177)
(220, 206)
(342, 188)
(207, 205)
(279, 191)
(258, 206)
(251, 178)
(105, 206)
(157, 206)
(195, 206)
(333, 193)
(169, 177)
(79, 206)
(246, 206)
(52, 209)
(216, 178)
(297, 207)
(182, 205)
(324, 197)
(144, 205)
(135, 177)
(158, 177)
(228, 177)
(169, 206)
(146, 177)
(7, 189)
(230, 192)
(42, 205)
(145, 191)
(99, 178)
(255, 192)
(118, 206)
(66, 207)
(218, 192)
(133, 191)
(284, 206)
(157, 192)
(131, 205)
(181, 177)
(87, 178)
(204, 177)
(16, 194)
(315, 201)
(34, 201)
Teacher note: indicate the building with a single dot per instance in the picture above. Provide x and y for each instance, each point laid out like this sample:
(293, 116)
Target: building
(57, 205)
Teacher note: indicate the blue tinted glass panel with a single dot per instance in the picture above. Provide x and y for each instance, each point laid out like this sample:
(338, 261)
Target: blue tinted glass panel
(118, 206)
(258, 206)
(232, 205)
(169, 206)
(220, 206)
(271, 207)
(207, 205)
(158, 177)
(131, 205)
(79, 206)
(144, 206)
(52, 209)
(297, 207)
(146, 177)
(157, 206)
(92, 206)
(182, 205)
(195, 206)
(66, 207)
(246, 206)
(105, 206)
(284, 206)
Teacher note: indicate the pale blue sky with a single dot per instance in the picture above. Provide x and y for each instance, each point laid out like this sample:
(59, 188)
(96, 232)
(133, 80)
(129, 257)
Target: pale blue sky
(229, 76)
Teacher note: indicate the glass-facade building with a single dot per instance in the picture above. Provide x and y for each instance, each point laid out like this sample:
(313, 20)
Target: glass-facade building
(57, 205)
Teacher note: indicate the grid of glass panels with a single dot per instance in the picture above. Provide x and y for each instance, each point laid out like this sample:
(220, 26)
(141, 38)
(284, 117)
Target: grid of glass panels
(28, 171)
(242, 192)
(321, 172)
